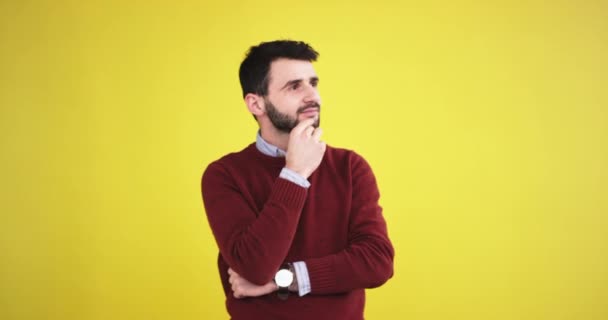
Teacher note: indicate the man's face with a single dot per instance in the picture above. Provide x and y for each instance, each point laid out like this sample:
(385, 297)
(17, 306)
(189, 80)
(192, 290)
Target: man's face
(292, 94)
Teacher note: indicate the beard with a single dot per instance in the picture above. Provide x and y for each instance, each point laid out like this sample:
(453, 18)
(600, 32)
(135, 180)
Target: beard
(284, 122)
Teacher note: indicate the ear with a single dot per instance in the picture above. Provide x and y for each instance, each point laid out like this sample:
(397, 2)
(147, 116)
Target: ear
(255, 104)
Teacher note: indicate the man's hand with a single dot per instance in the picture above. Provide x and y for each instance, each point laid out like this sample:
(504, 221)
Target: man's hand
(305, 150)
(242, 288)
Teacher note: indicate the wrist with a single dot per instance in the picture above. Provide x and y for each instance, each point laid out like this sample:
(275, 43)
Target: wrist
(274, 287)
(304, 173)
(283, 279)
(293, 287)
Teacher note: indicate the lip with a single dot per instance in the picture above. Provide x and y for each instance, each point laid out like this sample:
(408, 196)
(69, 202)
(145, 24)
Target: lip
(310, 111)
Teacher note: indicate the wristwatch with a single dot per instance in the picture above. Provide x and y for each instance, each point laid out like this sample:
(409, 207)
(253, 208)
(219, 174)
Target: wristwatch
(284, 278)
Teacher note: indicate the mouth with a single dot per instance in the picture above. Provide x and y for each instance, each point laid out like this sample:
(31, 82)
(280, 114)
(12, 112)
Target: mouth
(310, 110)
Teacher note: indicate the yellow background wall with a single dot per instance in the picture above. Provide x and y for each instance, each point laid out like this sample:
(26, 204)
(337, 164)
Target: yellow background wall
(486, 124)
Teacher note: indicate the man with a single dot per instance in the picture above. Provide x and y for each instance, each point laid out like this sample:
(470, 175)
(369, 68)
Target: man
(289, 213)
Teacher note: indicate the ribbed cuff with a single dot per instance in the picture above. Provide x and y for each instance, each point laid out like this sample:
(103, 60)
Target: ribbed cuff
(322, 275)
(288, 193)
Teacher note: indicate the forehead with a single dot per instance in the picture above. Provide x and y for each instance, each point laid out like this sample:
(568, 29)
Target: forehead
(283, 70)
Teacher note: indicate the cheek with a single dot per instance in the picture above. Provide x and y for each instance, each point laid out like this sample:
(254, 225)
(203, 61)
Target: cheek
(290, 104)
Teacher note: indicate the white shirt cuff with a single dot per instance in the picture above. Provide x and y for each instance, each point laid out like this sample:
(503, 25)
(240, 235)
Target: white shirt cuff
(294, 177)
(302, 276)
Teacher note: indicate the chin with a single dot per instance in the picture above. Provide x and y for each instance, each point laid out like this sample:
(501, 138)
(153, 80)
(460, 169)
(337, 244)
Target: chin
(316, 124)
(317, 119)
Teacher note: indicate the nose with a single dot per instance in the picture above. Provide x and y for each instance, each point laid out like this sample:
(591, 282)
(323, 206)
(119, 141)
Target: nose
(312, 94)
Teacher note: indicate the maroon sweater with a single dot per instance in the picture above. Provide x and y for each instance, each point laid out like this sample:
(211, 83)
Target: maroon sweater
(336, 226)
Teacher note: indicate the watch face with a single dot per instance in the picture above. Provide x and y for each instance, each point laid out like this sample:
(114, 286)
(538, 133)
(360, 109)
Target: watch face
(283, 278)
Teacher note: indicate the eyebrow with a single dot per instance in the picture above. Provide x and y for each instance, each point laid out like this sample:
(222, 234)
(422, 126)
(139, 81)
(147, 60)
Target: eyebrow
(291, 82)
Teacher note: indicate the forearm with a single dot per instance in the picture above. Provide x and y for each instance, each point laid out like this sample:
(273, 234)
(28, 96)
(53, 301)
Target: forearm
(366, 264)
(367, 259)
(254, 244)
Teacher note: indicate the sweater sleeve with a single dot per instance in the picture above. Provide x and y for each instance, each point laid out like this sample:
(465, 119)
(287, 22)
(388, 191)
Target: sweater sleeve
(254, 244)
(367, 261)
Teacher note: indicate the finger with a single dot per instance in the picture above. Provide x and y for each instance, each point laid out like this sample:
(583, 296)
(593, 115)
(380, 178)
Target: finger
(272, 286)
(316, 135)
(303, 125)
(308, 131)
(233, 273)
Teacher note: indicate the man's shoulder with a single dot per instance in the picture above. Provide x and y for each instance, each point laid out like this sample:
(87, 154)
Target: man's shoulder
(337, 153)
(233, 159)
(243, 154)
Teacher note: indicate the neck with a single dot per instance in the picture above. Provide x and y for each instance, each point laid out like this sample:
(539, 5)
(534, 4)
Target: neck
(275, 137)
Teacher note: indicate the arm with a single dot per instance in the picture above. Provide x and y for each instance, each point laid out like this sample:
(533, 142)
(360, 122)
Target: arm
(242, 288)
(367, 261)
(253, 245)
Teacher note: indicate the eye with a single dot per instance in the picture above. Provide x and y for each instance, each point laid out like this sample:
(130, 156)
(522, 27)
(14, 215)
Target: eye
(295, 86)
(314, 83)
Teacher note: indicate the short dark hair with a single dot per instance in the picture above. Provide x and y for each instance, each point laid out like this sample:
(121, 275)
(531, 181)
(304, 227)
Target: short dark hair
(253, 72)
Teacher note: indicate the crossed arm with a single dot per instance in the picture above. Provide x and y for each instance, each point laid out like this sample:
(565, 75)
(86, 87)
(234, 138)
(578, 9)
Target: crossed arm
(254, 246)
